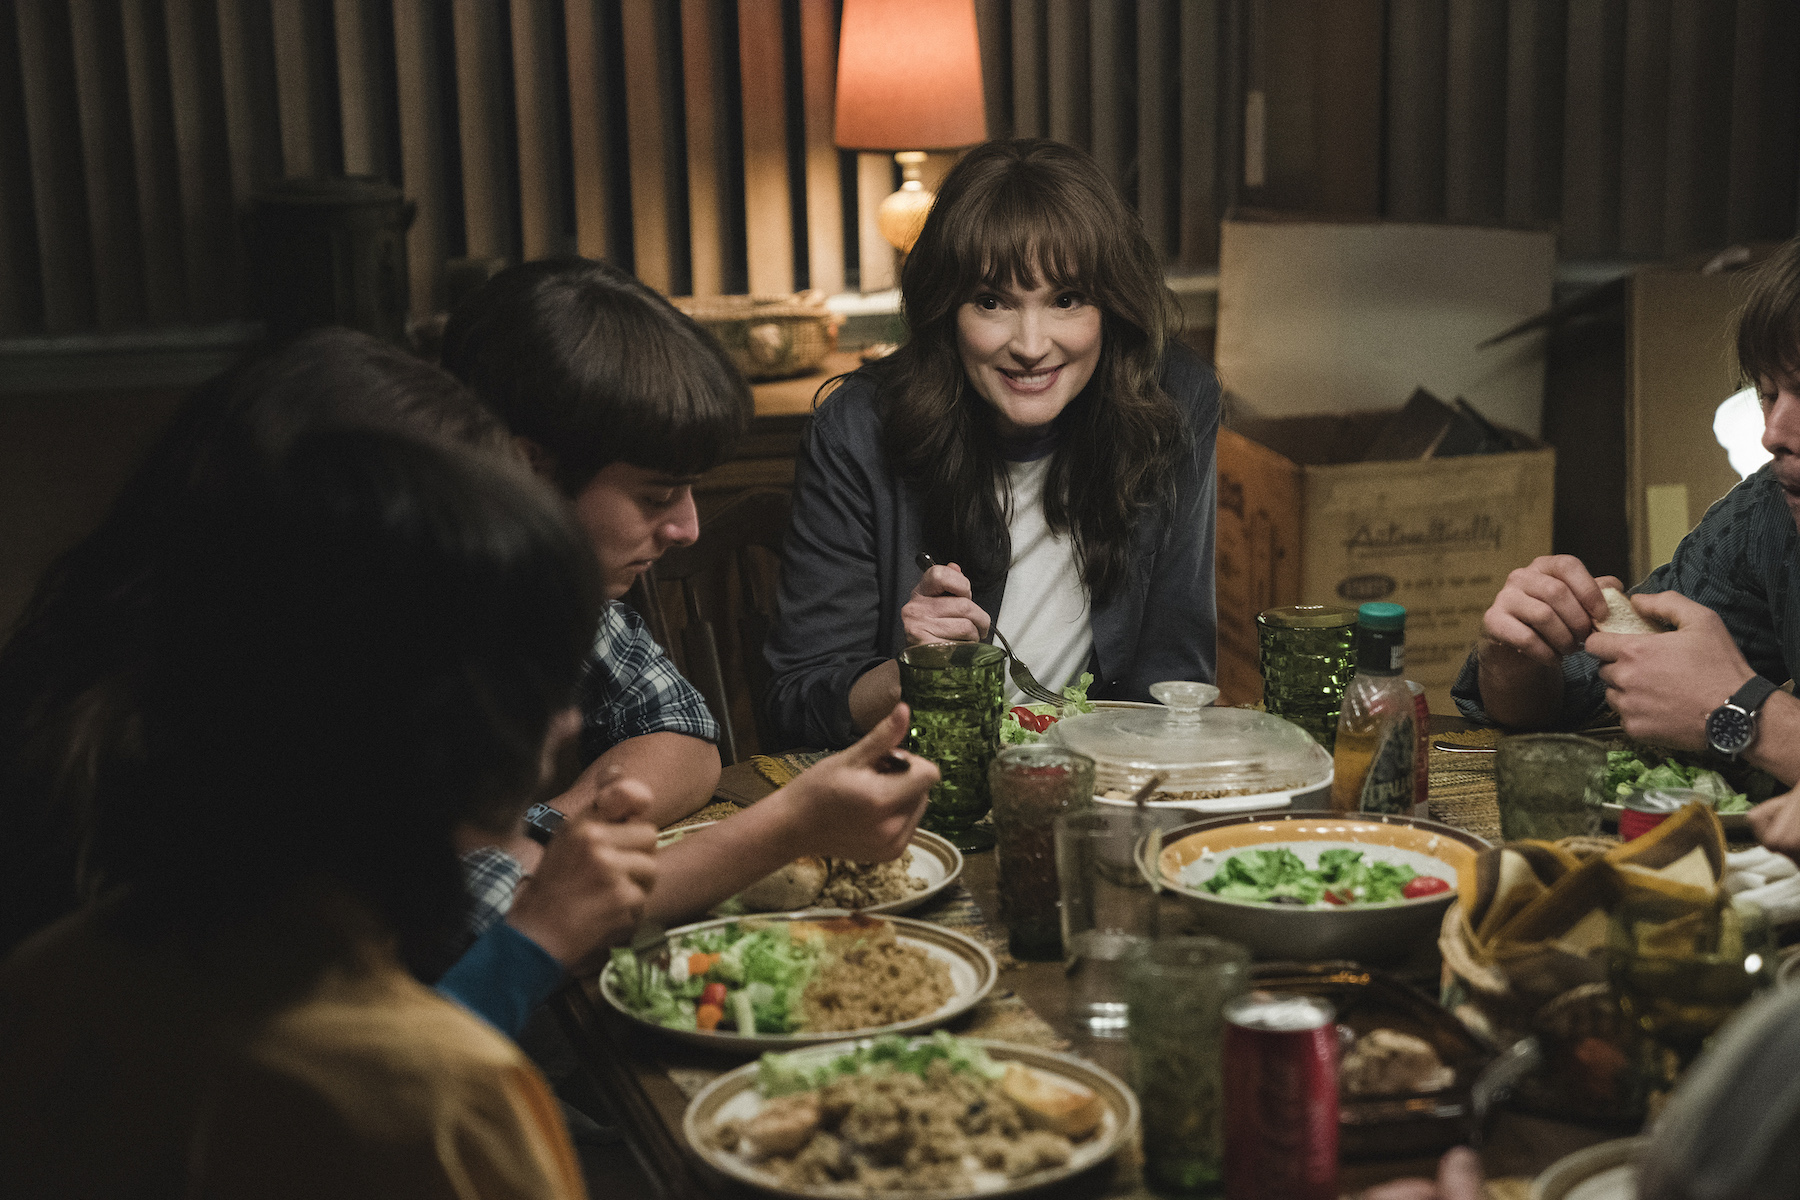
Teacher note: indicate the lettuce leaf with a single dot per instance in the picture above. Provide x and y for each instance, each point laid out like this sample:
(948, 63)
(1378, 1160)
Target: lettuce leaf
(799, 1071)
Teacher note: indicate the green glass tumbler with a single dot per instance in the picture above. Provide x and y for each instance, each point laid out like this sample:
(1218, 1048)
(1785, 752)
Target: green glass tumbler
(1308, 655)
(955, 692)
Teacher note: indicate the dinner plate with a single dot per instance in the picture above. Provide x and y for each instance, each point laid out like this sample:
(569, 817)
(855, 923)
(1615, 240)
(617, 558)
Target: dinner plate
(1733, 822)
(1603, 1172)
(972, 974)
(734, 1095)
(934, 859)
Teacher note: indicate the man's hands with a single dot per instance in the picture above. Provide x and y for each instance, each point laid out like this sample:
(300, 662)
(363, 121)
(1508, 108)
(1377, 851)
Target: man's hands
(845, 808)
(941, 609)
(588, 891)
(1664, 685)
(1458, 1178)
(1546, 609)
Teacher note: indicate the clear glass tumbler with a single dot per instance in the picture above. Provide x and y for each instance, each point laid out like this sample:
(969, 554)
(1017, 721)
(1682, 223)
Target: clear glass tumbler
(1307, 653)
(1032, 786)
(954, 691)
(1176, 989)
(1549, 785)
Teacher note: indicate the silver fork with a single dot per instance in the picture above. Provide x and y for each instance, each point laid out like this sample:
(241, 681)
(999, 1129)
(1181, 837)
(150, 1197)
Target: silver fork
(1022, 677)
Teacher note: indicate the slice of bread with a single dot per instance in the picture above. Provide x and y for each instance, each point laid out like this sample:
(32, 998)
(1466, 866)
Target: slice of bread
(1621, 617)
(795, 885)
(1058, 1105)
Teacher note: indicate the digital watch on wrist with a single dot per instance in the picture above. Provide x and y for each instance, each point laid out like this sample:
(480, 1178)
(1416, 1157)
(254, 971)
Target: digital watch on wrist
(541, 823)
(1731, 727)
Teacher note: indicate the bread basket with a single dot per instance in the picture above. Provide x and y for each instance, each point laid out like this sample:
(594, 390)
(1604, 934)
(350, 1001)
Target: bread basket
(768, 337)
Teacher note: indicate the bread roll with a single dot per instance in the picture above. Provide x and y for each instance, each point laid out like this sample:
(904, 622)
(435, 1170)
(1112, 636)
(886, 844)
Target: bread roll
(1621, 617)
(1059, 1105)
(796, 885)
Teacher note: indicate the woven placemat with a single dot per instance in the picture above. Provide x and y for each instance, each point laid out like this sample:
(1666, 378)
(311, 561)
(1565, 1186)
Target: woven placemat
(1462, 785)
(780, 769)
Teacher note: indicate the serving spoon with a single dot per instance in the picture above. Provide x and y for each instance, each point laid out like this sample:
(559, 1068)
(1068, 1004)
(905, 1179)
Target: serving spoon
(1021, 675)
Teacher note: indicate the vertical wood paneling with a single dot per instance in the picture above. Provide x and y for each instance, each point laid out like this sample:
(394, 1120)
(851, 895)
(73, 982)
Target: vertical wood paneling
(422, 135)
(1535, 57)
(1416, 105)
(1644, 136)
(59, 190)
(991, 27)
(209, 235)
(1109, 74)
(1030, 112)
(768, 232)
(21, 283)
(481, 129)
(1765, 121)
(1592, 99)
(1066, 77)
(824, 195)
(153, 161)
(1475, 112)
(541, 170)
(1701, 49)
(1158, 117)
(588, 160)
(1200, 144)
(700, 72)
(359, 90)
(106, 155)
(874, 180)
(648, 156)
(1346, 101)
(296, 69)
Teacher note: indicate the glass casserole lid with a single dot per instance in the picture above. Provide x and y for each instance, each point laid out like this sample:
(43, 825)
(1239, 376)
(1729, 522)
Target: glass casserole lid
(1202, 752)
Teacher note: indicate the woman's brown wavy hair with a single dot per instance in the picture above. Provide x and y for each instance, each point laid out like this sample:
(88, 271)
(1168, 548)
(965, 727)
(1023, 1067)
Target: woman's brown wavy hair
(1015, 213)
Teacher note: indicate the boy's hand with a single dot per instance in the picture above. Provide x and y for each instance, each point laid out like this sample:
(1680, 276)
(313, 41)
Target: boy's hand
(854, 804)
(1663, 686)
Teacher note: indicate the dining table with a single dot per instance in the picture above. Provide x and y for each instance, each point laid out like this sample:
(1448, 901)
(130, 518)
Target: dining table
(648, 1078)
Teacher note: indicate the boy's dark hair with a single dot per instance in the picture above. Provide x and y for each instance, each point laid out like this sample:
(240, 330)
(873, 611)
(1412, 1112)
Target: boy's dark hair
(1768, 332)
(595, 368)
(352, 645)
(65, 717)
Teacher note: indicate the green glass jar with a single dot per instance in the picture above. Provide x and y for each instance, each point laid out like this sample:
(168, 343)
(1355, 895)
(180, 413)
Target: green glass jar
(1308, 655)
(955, 693)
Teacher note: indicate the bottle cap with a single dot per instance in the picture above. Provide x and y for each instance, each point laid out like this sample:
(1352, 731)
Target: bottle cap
(1379, 614)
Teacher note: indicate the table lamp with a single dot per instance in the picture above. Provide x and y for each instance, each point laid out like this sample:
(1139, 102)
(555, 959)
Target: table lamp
(909, 80)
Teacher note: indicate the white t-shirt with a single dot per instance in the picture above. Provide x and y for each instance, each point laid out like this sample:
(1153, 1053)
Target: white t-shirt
(1044, 613)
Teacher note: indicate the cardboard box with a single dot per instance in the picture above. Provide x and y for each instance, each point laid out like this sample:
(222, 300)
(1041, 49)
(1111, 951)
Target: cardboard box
(1317, 316)
(1302, 522)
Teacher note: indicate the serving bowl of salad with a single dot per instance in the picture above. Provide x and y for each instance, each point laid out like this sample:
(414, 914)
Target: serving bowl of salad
(1304, 886)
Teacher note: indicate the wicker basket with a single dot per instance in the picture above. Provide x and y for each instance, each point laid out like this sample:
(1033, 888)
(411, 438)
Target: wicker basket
(768, 338)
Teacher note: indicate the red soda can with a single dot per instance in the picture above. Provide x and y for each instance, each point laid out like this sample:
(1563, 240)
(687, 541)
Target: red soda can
(1281, 1098)
(1421, 751)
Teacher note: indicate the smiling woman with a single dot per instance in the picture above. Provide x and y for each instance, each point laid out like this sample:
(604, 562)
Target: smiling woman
(1041, 433)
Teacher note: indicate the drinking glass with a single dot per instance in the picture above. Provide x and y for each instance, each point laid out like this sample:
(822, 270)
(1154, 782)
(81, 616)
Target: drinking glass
(1307, 653)
(1032, 785)
(1549, 785)
(1107, 905)
(1679, 969)
(954, 691)
(1176, 989)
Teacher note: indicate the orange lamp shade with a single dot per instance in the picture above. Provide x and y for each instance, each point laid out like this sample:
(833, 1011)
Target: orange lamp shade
(909, 76)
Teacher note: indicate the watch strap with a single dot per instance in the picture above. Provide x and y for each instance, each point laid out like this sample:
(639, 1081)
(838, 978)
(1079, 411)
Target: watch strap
(1753, 694)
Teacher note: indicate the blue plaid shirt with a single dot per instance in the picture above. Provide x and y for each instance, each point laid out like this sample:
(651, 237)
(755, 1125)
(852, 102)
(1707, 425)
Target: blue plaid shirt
(1742, 561)
(630, 688)
(491, 876)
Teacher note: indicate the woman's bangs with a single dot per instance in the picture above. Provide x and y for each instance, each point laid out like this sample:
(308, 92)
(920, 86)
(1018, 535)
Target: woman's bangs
(1021, 242)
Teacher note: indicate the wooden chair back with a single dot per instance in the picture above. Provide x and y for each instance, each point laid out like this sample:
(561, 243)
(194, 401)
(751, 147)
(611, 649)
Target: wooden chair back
(711, 606)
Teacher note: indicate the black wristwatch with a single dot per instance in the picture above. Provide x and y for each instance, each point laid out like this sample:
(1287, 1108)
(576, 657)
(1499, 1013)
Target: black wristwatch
(1731, 727)
(541, 823)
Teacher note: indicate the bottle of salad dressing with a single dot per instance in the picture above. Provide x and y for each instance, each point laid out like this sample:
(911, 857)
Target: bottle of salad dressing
(1376, 738)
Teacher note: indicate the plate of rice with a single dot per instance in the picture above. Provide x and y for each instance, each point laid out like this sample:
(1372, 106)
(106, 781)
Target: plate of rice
(928, 866)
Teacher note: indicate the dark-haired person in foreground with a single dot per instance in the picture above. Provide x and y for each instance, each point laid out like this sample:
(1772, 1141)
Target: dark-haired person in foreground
(1731, 595)
(352, 647)
(1041, 434)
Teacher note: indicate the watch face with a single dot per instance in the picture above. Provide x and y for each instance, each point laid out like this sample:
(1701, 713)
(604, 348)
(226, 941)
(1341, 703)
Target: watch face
(1729, 729)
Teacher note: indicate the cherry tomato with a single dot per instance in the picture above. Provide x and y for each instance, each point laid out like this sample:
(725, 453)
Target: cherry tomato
(713, 993)
(1023, 716)
(1424, 885)
(1334, 898)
